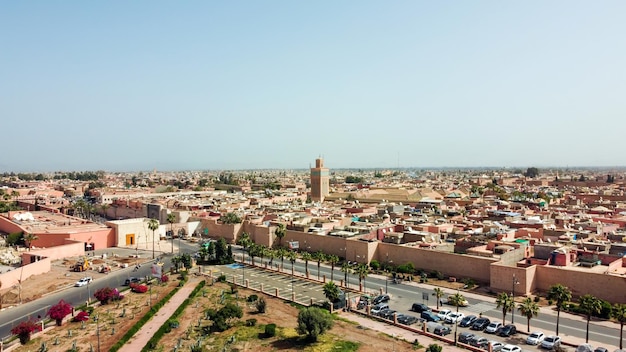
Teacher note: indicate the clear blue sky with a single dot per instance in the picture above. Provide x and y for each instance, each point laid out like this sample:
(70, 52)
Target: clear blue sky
(137, 85)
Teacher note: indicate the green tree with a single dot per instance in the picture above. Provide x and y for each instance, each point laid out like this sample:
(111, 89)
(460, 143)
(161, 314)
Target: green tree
(532, 172)
(529, 309)
(291, 255)
(171, 218)
(433, 347)
(619, 313)
(244, 241)
(281, 253)
(280, 232)
(438, 294)
(333, 260)
(319, 257)
(457, 300)
(506, 303)
(153, 225)
(331, 291)
(29, 238)
(362, 270)
(306, 256)
(346, 268)
(590, 305)
(561, 295)
(230, 218)
(313, 322)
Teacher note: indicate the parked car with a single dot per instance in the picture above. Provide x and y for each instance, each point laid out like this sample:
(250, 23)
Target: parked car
(381, 299)
(493, 327)
(601, 349)
(507, 330)
(454, 318)
(132, 280)
(466, 336)
(511, 348)
(535, 338)
(444, 313)
(406, 319)
(419, 307)
(551, 342)
(84, 281)
(377, 308)
(387, 313)
(479, 341)
(467, 321)
(429, 316)
(441, 330)
(585, 347)
(480, 324)
(463, 303)
(495, 346)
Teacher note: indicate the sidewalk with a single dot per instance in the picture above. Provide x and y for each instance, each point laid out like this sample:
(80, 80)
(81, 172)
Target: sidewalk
(141, 338)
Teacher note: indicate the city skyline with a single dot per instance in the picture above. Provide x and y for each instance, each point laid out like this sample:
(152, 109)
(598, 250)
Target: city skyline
(365, 85)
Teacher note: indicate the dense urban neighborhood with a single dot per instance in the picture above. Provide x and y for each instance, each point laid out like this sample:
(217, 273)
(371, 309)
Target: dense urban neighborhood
(526, 239)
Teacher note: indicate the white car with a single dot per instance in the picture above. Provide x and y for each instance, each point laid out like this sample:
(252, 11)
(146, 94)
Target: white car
(511, 348)
(84, 281)
(496, 345)
(551, 342)
(535, 338)
(493, 327)
(454, 318)
(443, 314)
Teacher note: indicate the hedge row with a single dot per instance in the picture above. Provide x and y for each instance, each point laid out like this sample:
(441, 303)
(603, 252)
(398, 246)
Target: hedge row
(152, 343)
(133, 330)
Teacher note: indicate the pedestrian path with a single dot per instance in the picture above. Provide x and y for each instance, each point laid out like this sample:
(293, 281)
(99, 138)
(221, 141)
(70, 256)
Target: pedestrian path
(141, 338)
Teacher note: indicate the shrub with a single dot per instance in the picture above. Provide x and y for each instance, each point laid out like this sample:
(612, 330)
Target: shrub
(60, 311)
(24, 329)
(233, 288)
(252, 298)
(270, 330)
(313, 322)
(374, 264)
(221, 278)
(261, 305)
(81, 316)
(434, 348)
(469, 282)
(105, 294)
(251, 322)
(537, 299)
(165, 278)
(605, 312)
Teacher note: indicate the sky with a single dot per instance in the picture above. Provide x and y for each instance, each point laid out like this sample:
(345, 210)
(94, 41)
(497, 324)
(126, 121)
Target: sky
(210, 85)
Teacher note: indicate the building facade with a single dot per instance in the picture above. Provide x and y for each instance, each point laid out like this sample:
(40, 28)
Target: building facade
(319, 181)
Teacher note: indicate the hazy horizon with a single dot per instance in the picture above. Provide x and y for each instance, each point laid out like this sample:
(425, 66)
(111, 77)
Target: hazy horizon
(201, 85)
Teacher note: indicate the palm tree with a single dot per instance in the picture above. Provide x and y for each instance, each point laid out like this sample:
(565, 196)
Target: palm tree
(619, 313)
(171, 218)
(253, 251)
(270, 254)
(332, 259)
(561, 295)
(590, 305)
(362, 270)
(104, 207)
(331, 291)
(291, 255)
(346, 268)
(29, 238)
(457, 300)
(529, 309)
(280, 232)
(306, 256)
(438, 294)
(245, 242)
(15, 194)
(153, 224)
(281, 253)
(506, 303)
(319, 256)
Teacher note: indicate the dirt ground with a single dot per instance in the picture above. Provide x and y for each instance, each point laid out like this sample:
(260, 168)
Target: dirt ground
(116, 319)
(250, 338)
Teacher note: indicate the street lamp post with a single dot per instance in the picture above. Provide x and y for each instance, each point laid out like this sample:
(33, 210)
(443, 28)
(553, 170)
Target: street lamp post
(515, 282)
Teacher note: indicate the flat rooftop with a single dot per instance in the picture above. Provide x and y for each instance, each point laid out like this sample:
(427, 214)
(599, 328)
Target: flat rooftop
(48, 222)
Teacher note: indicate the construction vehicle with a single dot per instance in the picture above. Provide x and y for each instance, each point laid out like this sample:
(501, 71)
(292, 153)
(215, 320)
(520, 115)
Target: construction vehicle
(104, 268)
(81, 265)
